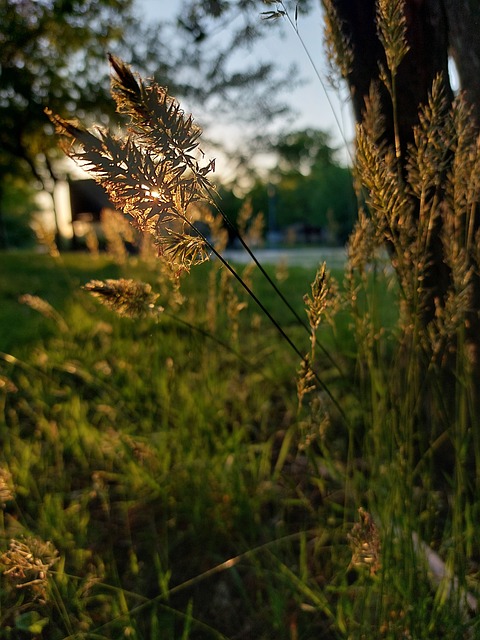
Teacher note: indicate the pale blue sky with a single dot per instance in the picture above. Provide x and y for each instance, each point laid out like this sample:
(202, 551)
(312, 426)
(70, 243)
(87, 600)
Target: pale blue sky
(310, 100)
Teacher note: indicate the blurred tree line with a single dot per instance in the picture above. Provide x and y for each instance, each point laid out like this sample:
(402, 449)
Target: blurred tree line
(309, 187)
(307, 196)
(53, 53)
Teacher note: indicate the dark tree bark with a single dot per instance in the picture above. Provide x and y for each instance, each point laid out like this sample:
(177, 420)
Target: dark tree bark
(463, 19)
(427, 37)
(427, 34)
(3, 231)
(435, 29)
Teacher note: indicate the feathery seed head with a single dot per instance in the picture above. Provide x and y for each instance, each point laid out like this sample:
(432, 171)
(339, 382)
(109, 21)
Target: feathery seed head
(28, 564)
(154, 173)
(364, 541)
(7, 489)
(128, 298)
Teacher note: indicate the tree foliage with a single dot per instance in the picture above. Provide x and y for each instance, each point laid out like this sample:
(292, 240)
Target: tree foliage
(309, 187)
(313, 188)
(53, 53)
(417, 162)
(19, 205)
(215, 66)
(304, 150)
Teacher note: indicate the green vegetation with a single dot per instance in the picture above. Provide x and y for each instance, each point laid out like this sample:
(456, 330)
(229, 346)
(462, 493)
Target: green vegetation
(163, 471)
(129, 447)
(308, 191)
(19, 206)
(54, 54)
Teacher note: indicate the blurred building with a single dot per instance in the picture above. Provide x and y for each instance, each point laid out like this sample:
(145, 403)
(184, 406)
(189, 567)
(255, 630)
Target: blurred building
(87, 200)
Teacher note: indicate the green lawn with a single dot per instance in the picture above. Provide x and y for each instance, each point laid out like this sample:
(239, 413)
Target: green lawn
(148, 453)
(167, 461)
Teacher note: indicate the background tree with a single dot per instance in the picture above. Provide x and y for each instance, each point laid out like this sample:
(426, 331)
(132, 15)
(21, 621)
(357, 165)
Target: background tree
(19, 200)
(401, 47)
(308, 186)
(353, 25)
(434, 29)
(207, 67)
(52, 53)
(312, 187)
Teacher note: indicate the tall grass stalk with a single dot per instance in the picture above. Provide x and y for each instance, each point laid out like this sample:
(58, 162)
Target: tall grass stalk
(417, 382)
(156, 179)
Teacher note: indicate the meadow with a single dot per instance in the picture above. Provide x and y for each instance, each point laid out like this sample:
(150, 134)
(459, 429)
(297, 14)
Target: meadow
(165, 481)
(154, 454)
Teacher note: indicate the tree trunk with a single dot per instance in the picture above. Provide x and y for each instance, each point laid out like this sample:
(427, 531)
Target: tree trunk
(428, 42)
(464, 40)
(3, 230)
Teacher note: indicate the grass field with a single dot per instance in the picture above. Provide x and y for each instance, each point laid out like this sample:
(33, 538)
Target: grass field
(182, 491)
(246, 453)
(148, 454)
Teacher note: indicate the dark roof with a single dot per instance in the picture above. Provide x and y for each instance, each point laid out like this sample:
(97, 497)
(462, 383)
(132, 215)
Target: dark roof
(87, 197)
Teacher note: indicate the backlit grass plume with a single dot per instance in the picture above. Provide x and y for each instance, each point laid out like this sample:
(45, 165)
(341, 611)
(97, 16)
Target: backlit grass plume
(128, 298)
(156, 172)
(7, 491)
(27, 564)
(158, 177)
(338, 47)
(45, 308)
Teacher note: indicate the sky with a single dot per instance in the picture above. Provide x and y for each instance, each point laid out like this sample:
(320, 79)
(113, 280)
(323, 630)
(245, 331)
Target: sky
(315, 104)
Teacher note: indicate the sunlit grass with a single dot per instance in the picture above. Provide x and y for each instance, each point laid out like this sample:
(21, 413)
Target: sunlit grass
(143, 462)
